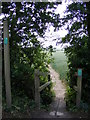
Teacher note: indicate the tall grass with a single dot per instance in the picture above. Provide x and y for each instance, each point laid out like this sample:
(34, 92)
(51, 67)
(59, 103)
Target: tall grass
(60, 63)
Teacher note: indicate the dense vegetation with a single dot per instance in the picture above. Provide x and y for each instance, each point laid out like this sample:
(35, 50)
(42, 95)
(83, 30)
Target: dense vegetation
(27, 21)
(78, 53)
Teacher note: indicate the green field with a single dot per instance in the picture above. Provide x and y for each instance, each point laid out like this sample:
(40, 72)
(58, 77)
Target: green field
(60, 63)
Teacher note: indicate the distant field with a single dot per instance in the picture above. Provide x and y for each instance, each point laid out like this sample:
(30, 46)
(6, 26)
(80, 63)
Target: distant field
(60, 63)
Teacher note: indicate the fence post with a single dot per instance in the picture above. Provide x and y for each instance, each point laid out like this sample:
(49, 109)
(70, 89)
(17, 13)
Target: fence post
(7, 64)
(37, 93)
(0, 63)
(79, 86)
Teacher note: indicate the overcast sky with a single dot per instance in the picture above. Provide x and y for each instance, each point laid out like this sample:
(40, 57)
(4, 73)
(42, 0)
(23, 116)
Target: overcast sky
(50, 34)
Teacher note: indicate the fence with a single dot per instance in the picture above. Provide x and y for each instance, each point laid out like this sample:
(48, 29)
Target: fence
(39, 88)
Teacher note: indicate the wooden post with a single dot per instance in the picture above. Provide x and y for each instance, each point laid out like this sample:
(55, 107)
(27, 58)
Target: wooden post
(39, 88)
(7, 64)
(0, 64)
(79, 86)
(43, 86)
(37, 93)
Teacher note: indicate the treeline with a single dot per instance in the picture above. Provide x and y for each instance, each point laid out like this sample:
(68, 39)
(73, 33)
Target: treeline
(27, 21)
(78, 53)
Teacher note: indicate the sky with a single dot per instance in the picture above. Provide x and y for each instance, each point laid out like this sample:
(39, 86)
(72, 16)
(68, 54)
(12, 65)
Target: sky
(50, 35)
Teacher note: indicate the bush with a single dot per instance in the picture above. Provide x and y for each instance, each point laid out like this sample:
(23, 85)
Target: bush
(24, 61)
(70, 97)
(47, 95)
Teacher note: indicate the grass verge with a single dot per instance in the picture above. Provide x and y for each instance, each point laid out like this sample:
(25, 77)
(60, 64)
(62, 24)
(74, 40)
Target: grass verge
(60, 63)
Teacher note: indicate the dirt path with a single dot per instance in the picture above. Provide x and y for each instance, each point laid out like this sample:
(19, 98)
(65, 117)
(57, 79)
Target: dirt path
(58, 106)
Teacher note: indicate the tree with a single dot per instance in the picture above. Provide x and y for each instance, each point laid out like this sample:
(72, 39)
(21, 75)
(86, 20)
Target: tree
(32, 17)
(77, 20)
(88, 28)
(27, 20)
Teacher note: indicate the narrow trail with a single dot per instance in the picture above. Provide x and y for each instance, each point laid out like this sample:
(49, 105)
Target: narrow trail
(58, 106)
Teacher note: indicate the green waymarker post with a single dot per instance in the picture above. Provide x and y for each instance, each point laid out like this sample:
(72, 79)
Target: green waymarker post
(5, 40)
(7, 64)
(79, 72)
(0, 63)
(79, 87)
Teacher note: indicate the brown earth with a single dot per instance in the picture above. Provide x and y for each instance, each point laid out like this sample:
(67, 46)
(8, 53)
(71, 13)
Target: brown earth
(57, 107)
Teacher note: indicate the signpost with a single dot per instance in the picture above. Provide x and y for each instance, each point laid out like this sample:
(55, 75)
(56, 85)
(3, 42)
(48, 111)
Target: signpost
(7, 64)
(79, 72)
(5, 40)
(0, 63)
(79, 87)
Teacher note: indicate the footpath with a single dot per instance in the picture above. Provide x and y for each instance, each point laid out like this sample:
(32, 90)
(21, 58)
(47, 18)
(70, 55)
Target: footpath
(58, 106)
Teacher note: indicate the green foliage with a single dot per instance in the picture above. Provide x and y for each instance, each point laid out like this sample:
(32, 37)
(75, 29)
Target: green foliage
(19, 104)
(46, 107)
(79, 50)
(32, 15)
(22, 72)
(47, 95)
(23, 65)
(84, 106)
(70, 98)
(27, 20)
